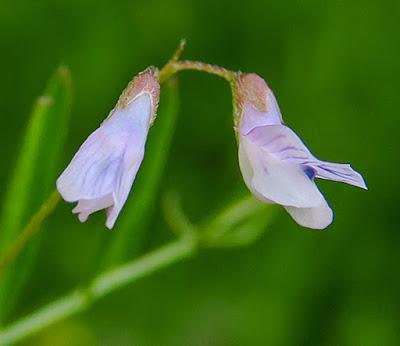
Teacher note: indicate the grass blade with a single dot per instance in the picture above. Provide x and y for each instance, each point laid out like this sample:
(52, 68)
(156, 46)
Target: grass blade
(33, 179)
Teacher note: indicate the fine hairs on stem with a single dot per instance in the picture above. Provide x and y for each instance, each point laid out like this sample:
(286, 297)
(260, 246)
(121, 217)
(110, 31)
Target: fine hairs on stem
(175, 65)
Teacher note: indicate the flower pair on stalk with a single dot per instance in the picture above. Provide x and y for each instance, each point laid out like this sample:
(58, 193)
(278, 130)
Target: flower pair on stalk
(276, 166)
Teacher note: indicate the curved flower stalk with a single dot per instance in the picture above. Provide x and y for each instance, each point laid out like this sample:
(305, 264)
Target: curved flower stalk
(276, 166)
(101, 174)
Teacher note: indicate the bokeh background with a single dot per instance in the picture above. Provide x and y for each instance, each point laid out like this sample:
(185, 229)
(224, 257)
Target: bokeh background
(334, 67)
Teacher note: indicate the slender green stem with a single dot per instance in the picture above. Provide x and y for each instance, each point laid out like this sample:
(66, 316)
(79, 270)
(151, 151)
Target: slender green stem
(218, 227)
(30, 230)
(174, 215)
(102, 285)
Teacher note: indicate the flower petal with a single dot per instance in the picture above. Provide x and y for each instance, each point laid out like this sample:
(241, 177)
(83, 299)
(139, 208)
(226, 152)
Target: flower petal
(102, 172)
(318, 217)
(252, 117)
(282, 142)
(85, 207)
(341, 172)
(274, 180)
(132, 162)
(92, 171)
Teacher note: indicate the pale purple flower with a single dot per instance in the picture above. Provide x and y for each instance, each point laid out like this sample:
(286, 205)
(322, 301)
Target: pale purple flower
(276, 166)
(101, 174)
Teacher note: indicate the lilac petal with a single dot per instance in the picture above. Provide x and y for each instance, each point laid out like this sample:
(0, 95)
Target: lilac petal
(283, 143)
(102, 172)
(86, 207)
(133, 160)
(273, 180)
(339, 172)
(318, 217)
(252, 117)
(92, 171)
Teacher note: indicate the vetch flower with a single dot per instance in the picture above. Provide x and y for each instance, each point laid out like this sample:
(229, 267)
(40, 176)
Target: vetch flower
(101, 174)
(276, 166)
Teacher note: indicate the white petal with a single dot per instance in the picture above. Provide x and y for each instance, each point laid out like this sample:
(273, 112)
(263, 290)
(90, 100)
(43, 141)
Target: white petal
(102, 172)
(93, 170)
(341, 172)
(122, 189)
(317, 218)
(283, 143)
(86, 207)
(274, 180)
(252, 118)
(135, 116)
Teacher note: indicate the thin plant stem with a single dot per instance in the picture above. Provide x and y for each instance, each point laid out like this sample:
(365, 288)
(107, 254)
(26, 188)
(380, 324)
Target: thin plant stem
(203, 67)
(102, 285)
(174, 215)
(173, 67)
(30, 230)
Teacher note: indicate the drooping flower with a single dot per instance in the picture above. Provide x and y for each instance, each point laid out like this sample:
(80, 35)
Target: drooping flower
(276, 166)
(101, 174)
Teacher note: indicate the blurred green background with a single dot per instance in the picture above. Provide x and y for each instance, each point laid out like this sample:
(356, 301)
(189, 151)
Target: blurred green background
(334, 67)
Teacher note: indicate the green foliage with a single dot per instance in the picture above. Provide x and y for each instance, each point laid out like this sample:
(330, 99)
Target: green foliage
(240, 224)
(33, 179)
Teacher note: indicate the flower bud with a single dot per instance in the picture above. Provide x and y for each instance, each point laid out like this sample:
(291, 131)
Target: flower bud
(101, 173)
